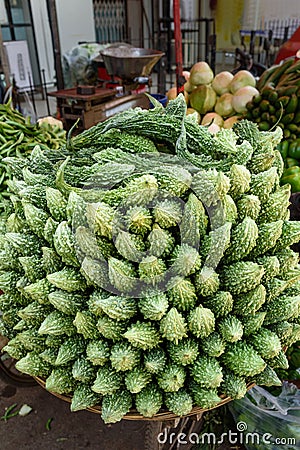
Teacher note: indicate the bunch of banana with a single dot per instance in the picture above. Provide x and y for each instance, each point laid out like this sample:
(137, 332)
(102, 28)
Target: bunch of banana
(279, 99)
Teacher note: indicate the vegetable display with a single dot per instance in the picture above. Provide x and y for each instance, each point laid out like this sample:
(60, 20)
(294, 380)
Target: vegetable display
(18, 137)
(218, 99)
(278, 102)
(147, 264)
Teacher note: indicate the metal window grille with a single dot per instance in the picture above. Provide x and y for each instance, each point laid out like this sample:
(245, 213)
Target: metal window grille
(110, 20)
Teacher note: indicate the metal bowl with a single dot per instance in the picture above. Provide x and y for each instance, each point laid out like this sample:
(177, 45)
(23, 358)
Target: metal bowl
(129, 63)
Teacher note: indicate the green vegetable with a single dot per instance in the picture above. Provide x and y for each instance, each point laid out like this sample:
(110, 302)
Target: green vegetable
(151, 281)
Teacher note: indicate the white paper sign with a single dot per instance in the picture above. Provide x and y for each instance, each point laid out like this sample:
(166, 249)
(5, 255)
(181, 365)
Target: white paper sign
(19, 63)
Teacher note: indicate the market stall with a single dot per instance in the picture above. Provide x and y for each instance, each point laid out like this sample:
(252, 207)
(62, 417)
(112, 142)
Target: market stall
(147, 261)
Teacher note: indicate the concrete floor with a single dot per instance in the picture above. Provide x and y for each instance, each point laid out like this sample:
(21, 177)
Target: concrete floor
(68, 431)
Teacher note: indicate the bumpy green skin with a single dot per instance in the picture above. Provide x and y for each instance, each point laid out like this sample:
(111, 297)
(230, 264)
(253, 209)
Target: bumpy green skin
(201, 322)
(172, 378)
(231, 329)
(161, 241)
(49, 355)
(107, 381)
(115, 406)
(275, 208)
(213, 345)
(34, 313)
(243, 240)
(49, 230)
(243, 360)
(206, 282)
(60, 381)
(283, 330)
(137, 379)
(180, 402)
(241, 277)
(194, 222)
(51, 262)
(97, 352)
(151, 270)
(253, 323)
(268, 234)
(8, 281)
(220, 304)
(275, 287)
(85, 324)
(83, 397)
(101, 218)
(138, 220)
(129, 245)
(185, 352)
(143, 335)
(239, 180)
(66, 302)
(262, 162)
(234, 386)
(207, 372)
(35, 218)
(268, 377)
(229, 210)
(83, 370)
(15, 349)
(155, 360)
(282, 308)
(173, 326)
(121, 274)
(70, 350)
(56, 203)
(183, 295)
(263, 183)
(205, 398)
(215, 244)
(149, 401)
(117, 307)
(24, 245)
(57, 323)
(67, 279)
(124, 356)
(280, 361)
(248, 206)
(266, 343)
(110, 328)
(250, 302)
(288, 259)
(39, 290)
(154, 307)
(31, 340)
(185, 260)
(290, 235)
(32, 267)
(271, 265)
(210, 186)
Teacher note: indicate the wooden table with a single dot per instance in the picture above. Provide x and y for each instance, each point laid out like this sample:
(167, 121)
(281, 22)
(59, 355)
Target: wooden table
(93, 108)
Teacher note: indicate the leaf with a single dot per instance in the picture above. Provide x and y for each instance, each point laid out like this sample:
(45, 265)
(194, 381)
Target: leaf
(48, 423)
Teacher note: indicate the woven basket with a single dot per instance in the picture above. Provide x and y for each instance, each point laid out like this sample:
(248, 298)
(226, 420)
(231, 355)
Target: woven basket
(163, 415)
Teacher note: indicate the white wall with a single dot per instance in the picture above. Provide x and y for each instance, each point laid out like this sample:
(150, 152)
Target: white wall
(75, 22)
(43, 38)
(256, 12)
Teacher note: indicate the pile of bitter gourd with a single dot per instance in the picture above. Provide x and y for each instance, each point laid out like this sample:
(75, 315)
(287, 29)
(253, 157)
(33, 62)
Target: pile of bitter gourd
(147, 264)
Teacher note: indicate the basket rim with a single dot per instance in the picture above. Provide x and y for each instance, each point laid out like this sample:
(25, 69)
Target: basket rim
(133, 414)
